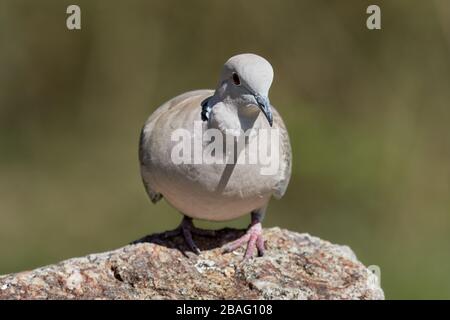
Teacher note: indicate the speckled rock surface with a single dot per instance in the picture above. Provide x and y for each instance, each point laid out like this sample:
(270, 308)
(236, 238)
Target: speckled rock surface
(295, 266)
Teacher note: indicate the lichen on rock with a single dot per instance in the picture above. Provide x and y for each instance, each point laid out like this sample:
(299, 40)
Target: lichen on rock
(295, 266)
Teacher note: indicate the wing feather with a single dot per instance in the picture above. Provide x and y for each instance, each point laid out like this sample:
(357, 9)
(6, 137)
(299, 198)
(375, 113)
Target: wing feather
(285, 170)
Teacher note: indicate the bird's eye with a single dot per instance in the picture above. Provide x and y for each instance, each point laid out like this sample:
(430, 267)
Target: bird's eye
(236, 79)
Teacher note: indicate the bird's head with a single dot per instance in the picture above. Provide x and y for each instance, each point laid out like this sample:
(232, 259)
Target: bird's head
(246, 80)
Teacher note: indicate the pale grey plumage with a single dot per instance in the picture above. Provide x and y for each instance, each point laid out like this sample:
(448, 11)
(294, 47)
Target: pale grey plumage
(216, 191)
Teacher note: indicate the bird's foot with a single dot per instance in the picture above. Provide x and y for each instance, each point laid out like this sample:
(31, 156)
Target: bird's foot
(187, 229)
(254, 240)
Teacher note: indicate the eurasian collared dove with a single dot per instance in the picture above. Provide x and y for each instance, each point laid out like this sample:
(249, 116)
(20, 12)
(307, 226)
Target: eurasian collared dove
(218, 190)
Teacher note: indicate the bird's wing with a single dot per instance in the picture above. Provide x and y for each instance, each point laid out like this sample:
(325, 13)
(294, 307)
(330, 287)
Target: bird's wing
(145, 151)
(284, 173)
(144, 155)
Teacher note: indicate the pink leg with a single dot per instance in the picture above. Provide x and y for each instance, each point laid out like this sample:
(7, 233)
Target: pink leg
(253, 238)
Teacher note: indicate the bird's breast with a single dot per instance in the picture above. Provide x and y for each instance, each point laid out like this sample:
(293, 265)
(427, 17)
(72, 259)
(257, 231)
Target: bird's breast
(217, 179)
(205, 172)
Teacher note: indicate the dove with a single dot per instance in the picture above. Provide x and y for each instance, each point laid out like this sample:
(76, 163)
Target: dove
(198, 151)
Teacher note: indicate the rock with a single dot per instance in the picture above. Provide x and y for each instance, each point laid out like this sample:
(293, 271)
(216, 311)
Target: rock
(295, 266)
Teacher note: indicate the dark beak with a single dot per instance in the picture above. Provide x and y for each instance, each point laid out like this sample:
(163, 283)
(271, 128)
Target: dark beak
(264, 105)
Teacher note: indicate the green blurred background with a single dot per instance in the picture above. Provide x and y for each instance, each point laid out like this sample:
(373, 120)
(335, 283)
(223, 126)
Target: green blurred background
(368, 114)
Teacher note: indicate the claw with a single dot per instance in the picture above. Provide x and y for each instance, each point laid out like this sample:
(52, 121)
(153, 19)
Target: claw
(251, 245)
(260, 246)
(188, 238)
(254, 240)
